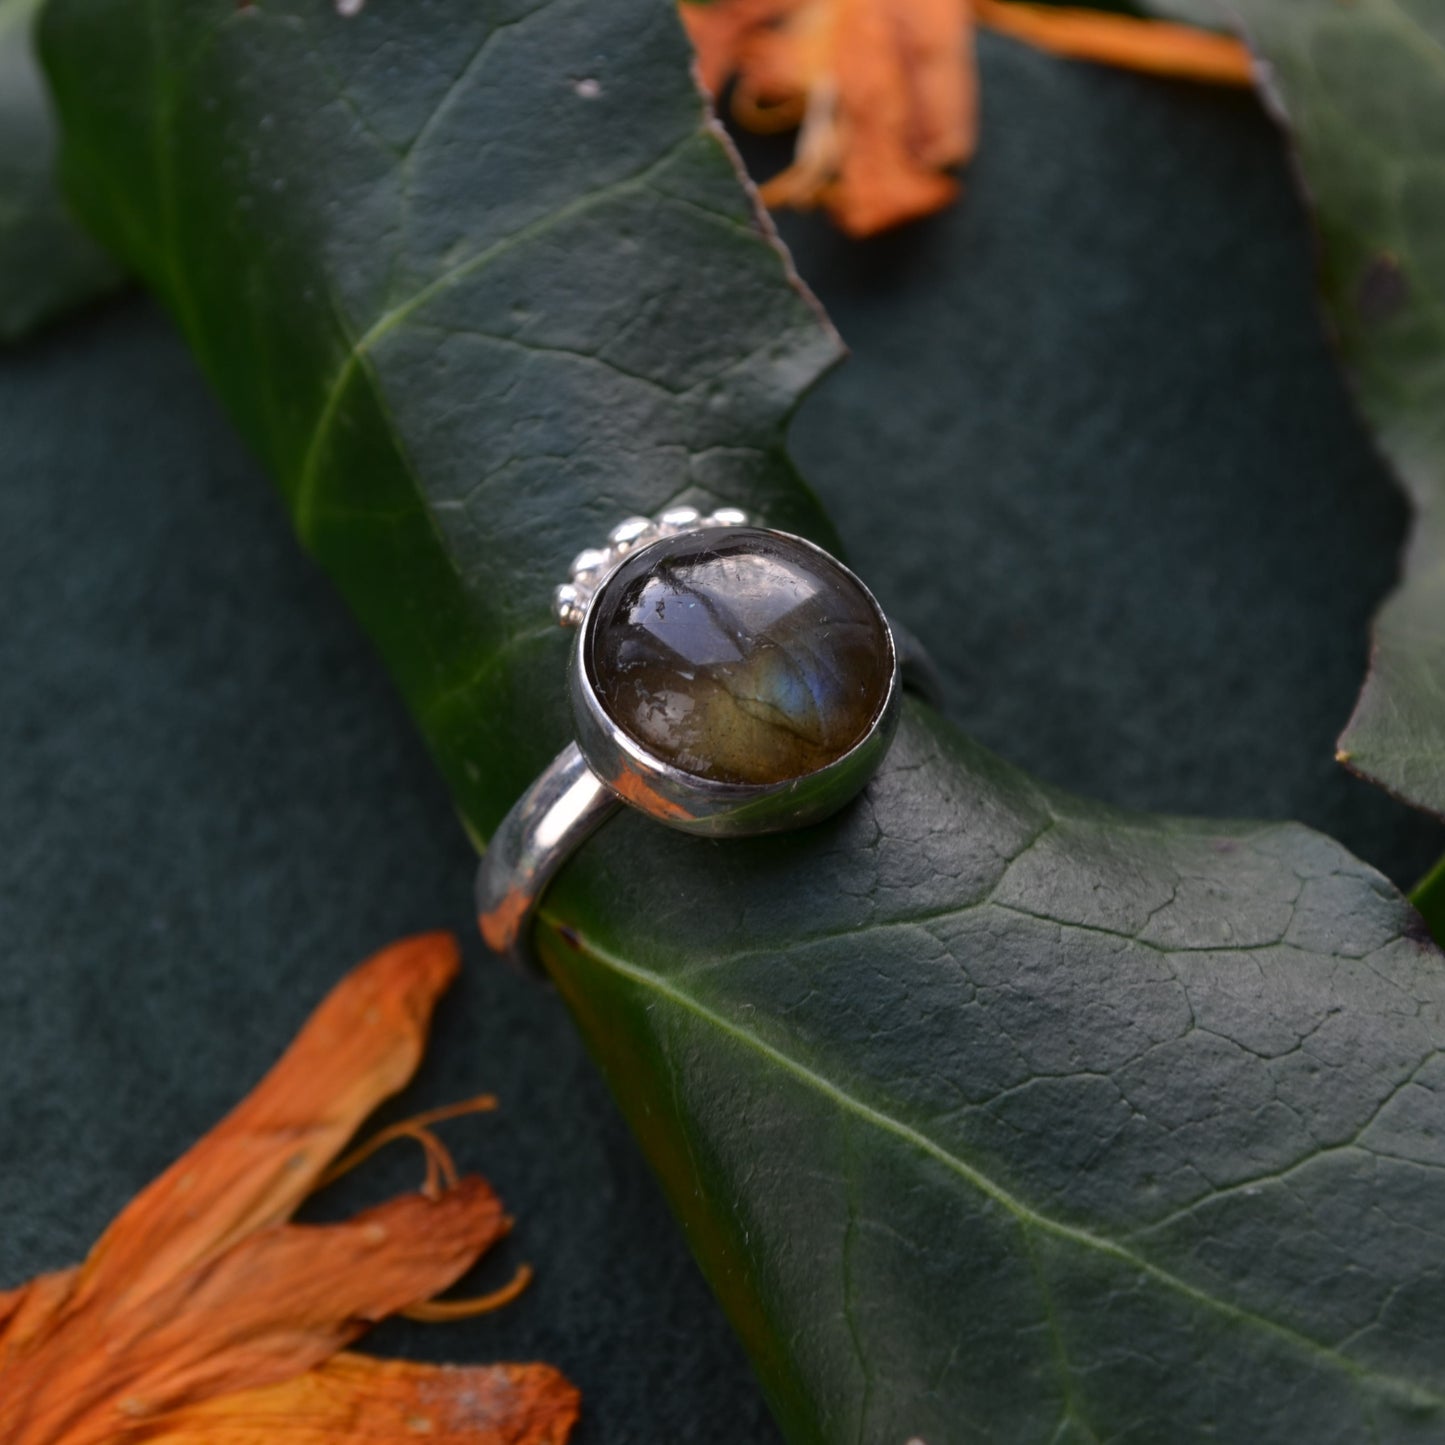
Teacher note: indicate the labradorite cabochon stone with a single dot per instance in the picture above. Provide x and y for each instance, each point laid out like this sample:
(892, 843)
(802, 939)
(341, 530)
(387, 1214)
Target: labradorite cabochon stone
(739, 655)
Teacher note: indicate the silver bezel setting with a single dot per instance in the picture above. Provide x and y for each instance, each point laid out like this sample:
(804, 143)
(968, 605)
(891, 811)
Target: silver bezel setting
(706, 806)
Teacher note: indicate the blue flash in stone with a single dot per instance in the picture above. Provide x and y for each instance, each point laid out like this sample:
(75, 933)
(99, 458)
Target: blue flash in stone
(740, 655)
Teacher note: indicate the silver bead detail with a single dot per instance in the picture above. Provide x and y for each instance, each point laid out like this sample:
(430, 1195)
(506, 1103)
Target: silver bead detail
(591, 566)
(626, 535)
(727, 517)
(678, 519)
(567, 605)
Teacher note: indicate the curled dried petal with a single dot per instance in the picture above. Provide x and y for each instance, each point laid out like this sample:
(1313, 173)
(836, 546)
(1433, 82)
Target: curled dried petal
(256, 1166)
(374, 1402)
(203, 1314)
(886, 91)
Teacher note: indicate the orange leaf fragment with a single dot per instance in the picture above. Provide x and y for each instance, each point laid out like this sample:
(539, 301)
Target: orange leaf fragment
(886, 91)
(24, 1312)
(202, 1305)
(1156, 47)
(376, 1402)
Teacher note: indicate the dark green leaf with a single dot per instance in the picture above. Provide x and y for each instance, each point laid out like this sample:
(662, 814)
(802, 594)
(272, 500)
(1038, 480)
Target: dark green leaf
(47, 264)
(425, 263)
(1361, 88)
(1048, 1123)
(1429, 898)
(991, 1115)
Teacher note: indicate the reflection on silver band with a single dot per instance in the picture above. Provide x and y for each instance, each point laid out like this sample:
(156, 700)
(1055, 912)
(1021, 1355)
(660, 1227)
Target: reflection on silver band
(566, 804)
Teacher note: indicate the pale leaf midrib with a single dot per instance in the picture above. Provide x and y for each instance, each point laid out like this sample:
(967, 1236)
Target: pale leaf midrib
(1026, 1214)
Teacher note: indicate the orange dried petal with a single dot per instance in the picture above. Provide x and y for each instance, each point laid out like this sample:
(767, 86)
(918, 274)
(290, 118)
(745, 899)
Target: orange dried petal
(907, 87)
(27, 1312)
(1157, 47)
(721, 29)
(869, 200)
(203, 1315)
(273, 1306)
(886, 90)
(252, 1170)
(438, 1311)
(374, 1402)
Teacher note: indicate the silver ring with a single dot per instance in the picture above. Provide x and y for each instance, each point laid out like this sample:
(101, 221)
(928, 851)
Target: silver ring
(728, 679)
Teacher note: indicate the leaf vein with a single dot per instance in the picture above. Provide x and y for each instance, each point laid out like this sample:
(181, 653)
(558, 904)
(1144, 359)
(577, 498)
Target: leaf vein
(1030, 1216)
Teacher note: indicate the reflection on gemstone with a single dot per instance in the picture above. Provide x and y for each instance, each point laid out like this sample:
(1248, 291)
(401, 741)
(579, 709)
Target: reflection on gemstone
(739, 655)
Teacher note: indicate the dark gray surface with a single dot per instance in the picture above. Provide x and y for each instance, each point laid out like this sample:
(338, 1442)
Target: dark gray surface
(211, 803)
(1093, 401)
(1093, 448)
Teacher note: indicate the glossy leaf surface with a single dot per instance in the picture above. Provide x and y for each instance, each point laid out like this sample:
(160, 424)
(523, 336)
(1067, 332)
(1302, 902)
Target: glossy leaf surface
(990, 1114)
(1048, 1122)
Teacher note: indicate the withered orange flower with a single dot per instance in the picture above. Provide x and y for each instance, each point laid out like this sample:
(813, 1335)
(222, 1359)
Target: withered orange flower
(203, 1316)
(886, 91)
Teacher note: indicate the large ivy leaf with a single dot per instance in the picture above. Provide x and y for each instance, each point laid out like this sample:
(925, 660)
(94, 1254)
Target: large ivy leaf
(991, 1115)
(1049, 1123)
(475, 283)
(47, 263)
(1361, 88)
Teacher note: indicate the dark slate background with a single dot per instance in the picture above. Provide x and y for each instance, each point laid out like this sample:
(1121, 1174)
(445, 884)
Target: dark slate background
(1091, 447)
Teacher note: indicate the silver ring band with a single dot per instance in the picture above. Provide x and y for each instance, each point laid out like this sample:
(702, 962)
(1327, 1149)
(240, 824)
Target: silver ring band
(553, 818)
(688, 563)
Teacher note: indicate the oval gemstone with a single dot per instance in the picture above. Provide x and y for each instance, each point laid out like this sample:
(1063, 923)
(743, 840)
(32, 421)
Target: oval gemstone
(738, 654)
